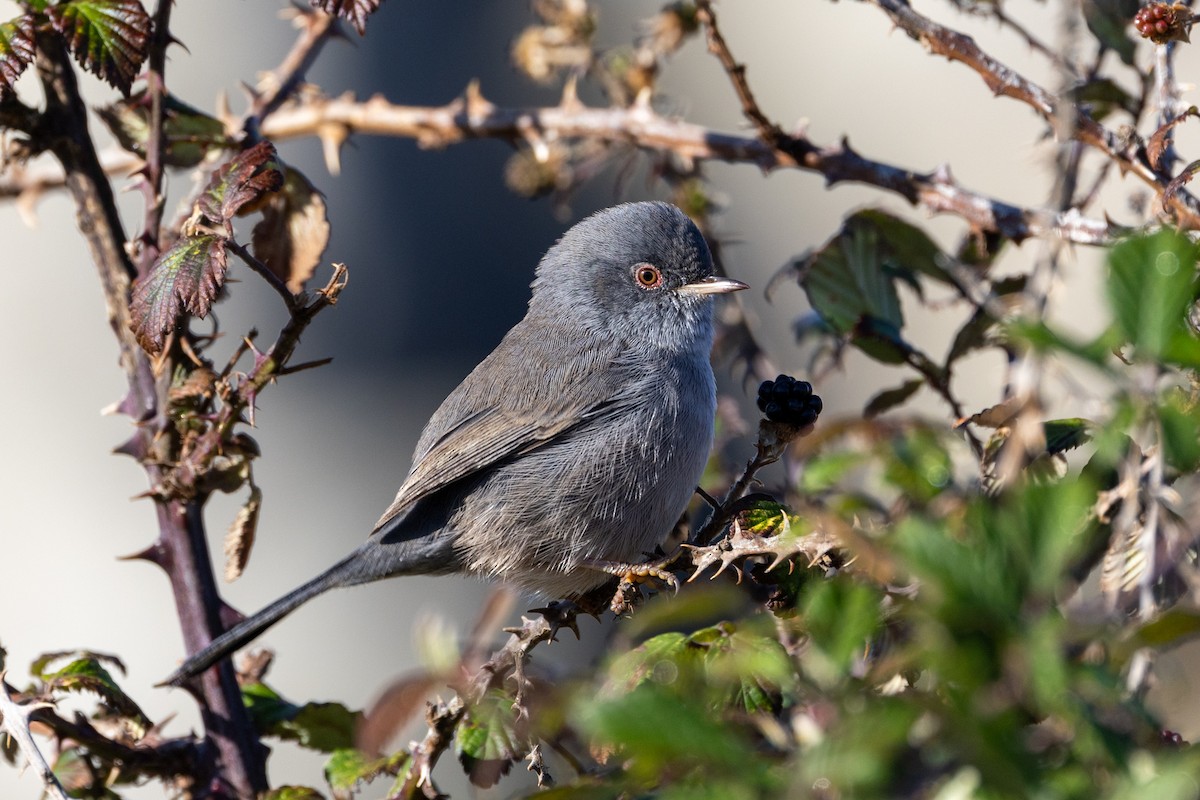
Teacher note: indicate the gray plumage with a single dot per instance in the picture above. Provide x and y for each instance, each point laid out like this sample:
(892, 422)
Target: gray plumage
(579, 439)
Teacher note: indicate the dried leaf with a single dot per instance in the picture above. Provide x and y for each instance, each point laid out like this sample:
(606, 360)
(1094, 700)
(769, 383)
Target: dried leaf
(16, 50)
(185, 277)
(240, 538)
(995, 416)
(1179, 181)
(245, 179)
(107, 37)
(354, 11)
(1158, 142)
(293, 232)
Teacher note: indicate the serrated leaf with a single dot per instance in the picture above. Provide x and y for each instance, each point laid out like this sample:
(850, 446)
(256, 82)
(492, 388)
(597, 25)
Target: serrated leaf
(1066, 434)
(39, 666)
(762, 517)
(107, 37)
(186, 277)
(1151, 285)
(16, 51)
(487, 740)
(890, 398)
(846, 284)
(247, 177)
(89, 675)
(294, 231)
(189, 134)
(346, 768)
(239, 539)
(354, 11)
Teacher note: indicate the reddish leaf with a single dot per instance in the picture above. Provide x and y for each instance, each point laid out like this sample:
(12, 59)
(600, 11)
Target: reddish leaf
(355, 11)
(16, 50)
(186, 277)
(107, 37)
(246, 178)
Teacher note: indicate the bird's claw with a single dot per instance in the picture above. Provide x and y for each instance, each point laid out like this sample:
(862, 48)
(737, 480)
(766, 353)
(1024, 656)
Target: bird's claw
(633, 575)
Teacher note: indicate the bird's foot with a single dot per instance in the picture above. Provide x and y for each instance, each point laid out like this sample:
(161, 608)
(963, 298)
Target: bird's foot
(631, 576)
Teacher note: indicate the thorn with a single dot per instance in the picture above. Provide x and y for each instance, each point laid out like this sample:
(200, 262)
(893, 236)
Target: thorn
(154, 554)
(570, 95)
(332, 136)
(134, 447)
(474, 104)
(642, 101)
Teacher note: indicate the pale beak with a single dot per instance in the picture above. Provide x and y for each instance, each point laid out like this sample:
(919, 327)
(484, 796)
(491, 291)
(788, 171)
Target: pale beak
(713, 285)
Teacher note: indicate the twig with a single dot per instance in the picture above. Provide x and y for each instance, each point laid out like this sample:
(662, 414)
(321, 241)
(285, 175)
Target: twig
(1003, 80)
(153, 174)
(14, 720)
(266, 273)
(316, 28)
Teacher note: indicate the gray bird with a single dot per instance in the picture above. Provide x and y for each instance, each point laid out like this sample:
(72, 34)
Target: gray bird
(578, 441)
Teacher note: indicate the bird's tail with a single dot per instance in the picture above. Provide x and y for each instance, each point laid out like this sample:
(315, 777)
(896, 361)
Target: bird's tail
(340, 574)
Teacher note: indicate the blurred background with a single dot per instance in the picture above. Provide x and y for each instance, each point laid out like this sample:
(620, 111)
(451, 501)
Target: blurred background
(440, 255)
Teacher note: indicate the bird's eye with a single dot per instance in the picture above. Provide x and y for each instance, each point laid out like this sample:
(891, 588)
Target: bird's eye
(648, 276)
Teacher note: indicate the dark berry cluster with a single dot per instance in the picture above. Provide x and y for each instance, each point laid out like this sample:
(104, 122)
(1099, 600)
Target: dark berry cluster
(1161, 22)
(786, 399)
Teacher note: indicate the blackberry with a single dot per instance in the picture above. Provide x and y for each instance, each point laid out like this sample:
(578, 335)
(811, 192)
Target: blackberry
(788, 400)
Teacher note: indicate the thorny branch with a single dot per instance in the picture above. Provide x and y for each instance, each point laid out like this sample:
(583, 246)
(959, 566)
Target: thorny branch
(14, 721)
(1005, 81)
(472, 117)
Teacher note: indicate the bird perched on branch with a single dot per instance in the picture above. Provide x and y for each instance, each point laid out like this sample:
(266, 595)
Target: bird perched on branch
(575, 445)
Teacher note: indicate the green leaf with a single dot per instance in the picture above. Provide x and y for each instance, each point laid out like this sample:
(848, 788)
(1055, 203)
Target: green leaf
(88, 675)
(107, 37)
(294, 231)
(247, 177)
(763, 517)
(846, 284)
(190, 135)
(918, 465)
(1066, 434)
(823, 472)
(185, 277)
(16, 51)
(354, 11)
(325, 727)
(1151, 285)
(1180, 431)
(347, 767)
(1108, 20)
(488, 741)
(890, 398)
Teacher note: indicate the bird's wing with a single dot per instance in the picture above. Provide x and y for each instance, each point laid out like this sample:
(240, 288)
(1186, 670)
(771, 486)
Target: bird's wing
(480, 440)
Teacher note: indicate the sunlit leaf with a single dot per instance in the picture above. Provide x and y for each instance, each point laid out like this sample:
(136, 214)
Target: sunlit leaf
(324, 727)
(16, 50)
(243, 181)
(107, 37)
(186, 277)
(293, 793)
(293, 232)
(89, 675)
(347, 768)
